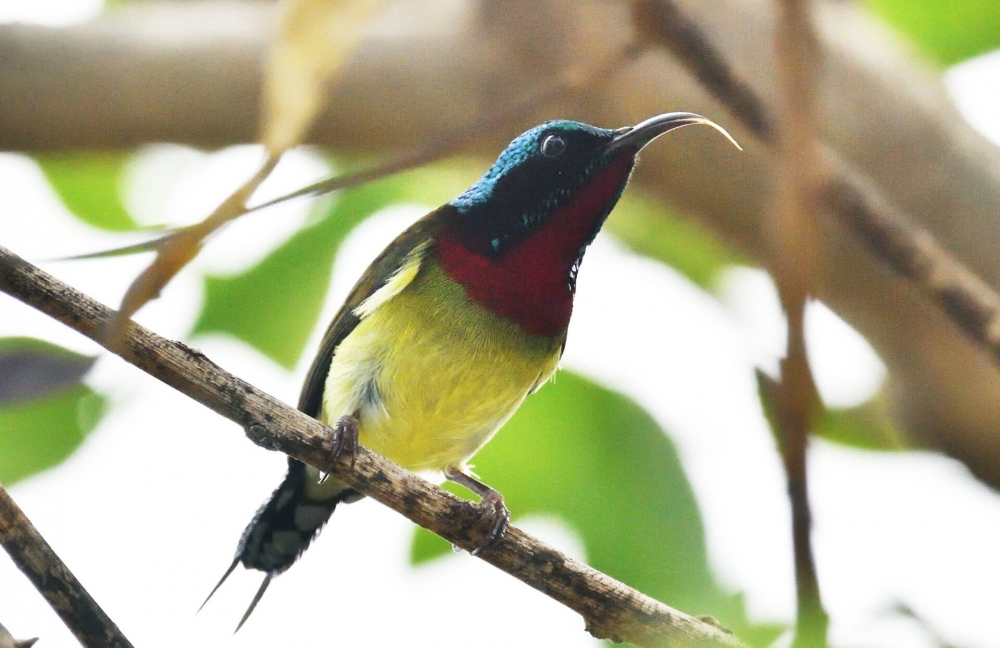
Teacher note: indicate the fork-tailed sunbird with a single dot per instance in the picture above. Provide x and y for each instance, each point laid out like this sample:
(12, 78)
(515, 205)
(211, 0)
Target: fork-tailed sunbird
(458, 320)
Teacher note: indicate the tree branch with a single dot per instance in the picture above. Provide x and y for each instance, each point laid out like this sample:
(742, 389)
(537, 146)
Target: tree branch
(913, 252)
(611, 609)
(50, 576)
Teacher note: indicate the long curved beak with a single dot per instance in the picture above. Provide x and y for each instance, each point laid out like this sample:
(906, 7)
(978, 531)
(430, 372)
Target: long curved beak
(645, 132)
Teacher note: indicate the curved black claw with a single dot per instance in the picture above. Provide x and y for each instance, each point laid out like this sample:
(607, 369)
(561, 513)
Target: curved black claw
(497, 518)
(345, 439)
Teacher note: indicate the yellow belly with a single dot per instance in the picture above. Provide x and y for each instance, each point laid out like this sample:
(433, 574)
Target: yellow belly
(432, 376)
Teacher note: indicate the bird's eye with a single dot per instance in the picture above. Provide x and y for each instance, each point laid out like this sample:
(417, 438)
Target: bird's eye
(552, 146)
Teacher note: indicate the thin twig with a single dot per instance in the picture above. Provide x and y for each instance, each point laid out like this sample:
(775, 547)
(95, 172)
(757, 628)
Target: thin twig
(611, 609)
(50, 576)
(796, 250)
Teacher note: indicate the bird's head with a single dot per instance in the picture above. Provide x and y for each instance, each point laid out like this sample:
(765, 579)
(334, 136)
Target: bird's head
(558, 166)
(516, 238)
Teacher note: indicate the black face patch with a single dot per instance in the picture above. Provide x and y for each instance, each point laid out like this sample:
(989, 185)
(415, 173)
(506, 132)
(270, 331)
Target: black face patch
(534, 175)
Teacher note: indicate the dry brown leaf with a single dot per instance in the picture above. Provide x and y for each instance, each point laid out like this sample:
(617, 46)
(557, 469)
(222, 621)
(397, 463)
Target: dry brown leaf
(316, 37)
(178, 250)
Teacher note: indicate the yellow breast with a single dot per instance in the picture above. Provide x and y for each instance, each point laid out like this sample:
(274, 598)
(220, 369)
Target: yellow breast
(431, 375)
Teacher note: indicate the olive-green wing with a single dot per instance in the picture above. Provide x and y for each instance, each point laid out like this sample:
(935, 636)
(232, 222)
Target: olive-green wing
(380, 272)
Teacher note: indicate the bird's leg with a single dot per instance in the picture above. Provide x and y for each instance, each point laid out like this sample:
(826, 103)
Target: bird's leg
(345, 438)
(491, 505)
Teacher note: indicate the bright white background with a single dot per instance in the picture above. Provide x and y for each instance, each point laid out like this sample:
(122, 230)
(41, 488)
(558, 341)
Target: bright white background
(149, 525)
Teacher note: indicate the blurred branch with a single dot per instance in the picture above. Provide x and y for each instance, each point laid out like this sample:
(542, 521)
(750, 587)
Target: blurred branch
(914, 253)
(50, 576)
(795, 231)
(611, 609)
(663, 23)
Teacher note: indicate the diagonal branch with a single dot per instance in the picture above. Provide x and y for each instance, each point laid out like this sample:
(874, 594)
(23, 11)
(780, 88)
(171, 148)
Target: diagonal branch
(611, 609)
(913, 252)
(50, 576)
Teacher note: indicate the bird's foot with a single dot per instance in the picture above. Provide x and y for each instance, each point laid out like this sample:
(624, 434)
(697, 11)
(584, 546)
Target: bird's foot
(496, 518)
(345, 439)
(493, 512)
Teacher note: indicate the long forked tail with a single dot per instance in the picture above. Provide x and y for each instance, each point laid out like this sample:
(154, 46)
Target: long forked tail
(284, 527)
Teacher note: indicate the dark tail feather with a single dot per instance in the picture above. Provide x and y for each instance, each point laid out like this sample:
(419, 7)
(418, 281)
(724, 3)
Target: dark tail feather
(222, 580)
(254, 602)
(286, 524)
(282, 529)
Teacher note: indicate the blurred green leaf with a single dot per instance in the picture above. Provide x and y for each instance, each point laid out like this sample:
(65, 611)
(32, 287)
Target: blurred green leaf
(31, 368)
(89, 184)
(599, 462)
(44, 410)
(275, 305)
(868, 426)
(41, 433)
(951, 31)
(650, 229)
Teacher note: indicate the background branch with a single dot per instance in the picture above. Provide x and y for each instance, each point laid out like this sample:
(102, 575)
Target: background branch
(611, 609)
(53, 579)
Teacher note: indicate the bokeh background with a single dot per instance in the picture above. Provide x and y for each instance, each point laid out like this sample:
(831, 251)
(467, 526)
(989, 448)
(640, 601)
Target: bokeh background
(649, 457)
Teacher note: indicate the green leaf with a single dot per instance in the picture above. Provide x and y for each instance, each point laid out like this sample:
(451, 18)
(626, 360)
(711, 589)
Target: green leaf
(89, 185)
(650, 229)
(45, 412)
(599, 462)
(951, 31)
(41, 433)
(868, 426)
(274, 305)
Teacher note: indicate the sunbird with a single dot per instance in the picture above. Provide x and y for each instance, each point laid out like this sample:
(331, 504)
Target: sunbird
(453, 325)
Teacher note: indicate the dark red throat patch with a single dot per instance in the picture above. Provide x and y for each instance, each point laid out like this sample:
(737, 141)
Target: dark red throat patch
(529, 283)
